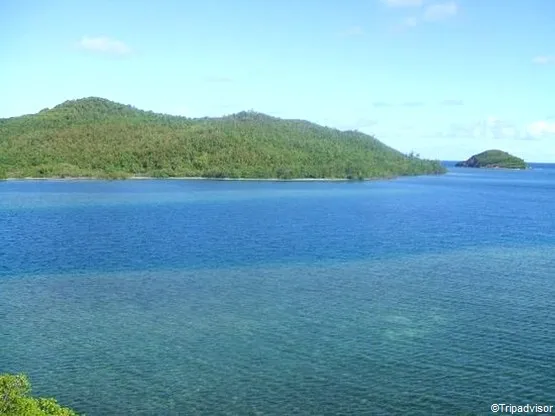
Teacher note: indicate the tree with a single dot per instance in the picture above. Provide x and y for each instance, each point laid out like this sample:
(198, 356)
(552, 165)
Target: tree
(94, 137)
(15, 399)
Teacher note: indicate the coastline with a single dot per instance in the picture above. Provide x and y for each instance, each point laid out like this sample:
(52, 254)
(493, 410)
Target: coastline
(195, 178)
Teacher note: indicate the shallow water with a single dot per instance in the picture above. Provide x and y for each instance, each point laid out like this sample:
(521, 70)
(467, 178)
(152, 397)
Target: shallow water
(430, 295)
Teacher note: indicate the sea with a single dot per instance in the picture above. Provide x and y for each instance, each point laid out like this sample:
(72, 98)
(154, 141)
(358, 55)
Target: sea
(431, 295)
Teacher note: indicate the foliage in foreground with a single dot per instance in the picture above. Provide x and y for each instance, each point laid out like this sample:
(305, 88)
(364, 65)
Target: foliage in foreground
(100, 138)
(15, 399)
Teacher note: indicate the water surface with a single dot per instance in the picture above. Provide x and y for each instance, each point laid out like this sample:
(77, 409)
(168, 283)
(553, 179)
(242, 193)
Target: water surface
(429, 295)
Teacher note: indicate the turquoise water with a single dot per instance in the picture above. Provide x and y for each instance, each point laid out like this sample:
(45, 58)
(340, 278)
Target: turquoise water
(430, 295)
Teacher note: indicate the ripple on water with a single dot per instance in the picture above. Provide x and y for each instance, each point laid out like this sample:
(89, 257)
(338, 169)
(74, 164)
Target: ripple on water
(440, 333)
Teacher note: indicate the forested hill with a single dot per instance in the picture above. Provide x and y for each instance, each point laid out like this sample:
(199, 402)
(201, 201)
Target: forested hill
(493, 159)
(99, 138)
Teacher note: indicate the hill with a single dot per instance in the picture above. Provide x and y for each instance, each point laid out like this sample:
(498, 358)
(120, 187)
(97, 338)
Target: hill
(493, 159)
(95, 137)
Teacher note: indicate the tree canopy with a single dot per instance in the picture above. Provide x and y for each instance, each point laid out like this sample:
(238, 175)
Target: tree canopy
(15, 399)
(97, 137)
(493, 159)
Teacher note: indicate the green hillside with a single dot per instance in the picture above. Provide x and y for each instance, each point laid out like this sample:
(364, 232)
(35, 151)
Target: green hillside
(493, 159)
(95, 137)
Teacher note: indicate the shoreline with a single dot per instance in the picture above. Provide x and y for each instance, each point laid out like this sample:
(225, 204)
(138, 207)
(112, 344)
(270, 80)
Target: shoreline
(194, 178)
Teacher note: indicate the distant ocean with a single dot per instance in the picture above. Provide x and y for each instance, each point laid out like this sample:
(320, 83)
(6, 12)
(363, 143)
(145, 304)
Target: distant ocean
(418, 296)
(540, 166)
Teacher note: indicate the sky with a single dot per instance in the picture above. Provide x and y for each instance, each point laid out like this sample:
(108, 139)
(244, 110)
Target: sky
(443, 78)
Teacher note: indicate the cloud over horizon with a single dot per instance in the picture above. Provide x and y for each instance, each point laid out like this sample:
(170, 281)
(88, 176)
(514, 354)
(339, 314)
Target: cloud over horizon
(541, 128)
(498, 129)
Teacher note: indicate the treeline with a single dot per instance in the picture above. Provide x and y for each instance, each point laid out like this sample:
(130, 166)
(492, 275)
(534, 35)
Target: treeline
(99, 138)
(494, 158)
(16, 399)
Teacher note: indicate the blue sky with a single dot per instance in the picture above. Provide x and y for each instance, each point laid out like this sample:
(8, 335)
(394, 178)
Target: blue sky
(443, 78)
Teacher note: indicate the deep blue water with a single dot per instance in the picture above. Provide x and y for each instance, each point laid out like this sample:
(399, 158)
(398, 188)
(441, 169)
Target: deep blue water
(427, 295)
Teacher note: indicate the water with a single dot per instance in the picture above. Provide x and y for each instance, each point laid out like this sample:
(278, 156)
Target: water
(429, 295)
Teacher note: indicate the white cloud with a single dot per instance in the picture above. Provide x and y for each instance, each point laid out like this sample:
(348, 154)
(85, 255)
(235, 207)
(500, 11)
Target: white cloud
(489, 128)
(541, 128)
(440, 11)
(506, 131)
(103, 44)
(501, 129)
(544, 60)
(403, 3)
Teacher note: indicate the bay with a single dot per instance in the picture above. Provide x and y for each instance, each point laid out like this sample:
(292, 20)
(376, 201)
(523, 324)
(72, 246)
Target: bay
(425, 295)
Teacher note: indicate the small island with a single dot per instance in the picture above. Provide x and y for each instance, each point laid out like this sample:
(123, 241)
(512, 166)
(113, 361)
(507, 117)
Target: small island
(493, 159)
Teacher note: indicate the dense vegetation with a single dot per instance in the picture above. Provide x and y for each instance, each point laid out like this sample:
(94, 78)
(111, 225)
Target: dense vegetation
(15, 399)
(493, 159)
(97, 137)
